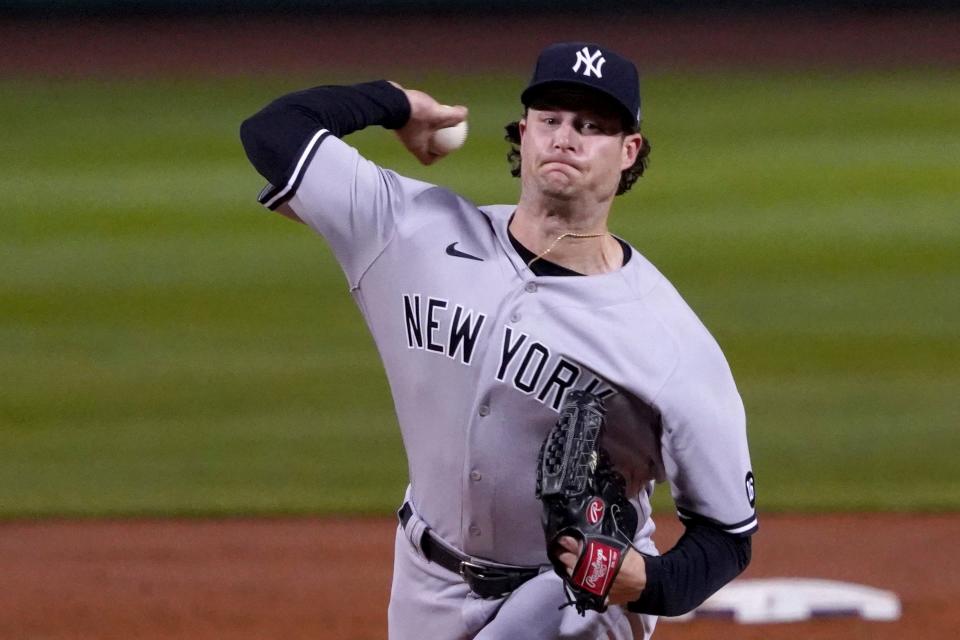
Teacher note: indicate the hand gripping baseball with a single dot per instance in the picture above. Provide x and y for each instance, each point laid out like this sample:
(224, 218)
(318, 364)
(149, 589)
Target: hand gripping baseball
(427, 116)
(584, 500)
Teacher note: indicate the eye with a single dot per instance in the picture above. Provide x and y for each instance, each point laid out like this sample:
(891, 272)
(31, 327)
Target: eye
(594, 127)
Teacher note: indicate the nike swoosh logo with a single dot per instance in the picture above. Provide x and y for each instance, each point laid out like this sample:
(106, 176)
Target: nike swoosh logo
(452, 251)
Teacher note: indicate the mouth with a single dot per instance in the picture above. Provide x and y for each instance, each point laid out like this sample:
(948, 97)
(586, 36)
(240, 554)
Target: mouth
(561, 162)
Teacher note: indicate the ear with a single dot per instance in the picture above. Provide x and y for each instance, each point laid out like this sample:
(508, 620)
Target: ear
(630, 149)
(522, 126)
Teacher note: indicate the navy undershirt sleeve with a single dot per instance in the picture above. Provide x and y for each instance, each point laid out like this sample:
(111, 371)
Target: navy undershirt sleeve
(703, 560)
(275, 137)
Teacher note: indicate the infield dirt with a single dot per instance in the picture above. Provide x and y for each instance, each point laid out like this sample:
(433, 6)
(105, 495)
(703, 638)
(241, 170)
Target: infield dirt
(330, 578)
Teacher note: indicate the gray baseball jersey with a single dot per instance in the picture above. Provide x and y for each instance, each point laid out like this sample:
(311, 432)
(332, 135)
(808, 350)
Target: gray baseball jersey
(479, 353)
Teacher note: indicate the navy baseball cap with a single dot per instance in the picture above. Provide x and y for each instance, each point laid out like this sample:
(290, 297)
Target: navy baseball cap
(588, 65)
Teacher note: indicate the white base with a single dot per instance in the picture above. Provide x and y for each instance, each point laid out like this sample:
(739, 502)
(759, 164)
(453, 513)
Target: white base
(771, 600)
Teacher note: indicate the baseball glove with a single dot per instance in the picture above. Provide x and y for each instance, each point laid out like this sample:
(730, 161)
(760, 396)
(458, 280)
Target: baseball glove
(584, 497)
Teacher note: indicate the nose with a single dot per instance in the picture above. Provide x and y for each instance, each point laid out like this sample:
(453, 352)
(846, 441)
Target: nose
(565, 137)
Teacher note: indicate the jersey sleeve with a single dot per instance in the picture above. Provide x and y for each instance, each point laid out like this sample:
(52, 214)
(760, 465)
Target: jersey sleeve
(702, 561)
(349, 200)
(704, 439)
(294, 142)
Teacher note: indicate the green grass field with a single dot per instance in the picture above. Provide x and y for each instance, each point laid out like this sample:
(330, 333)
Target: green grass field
(168, 347)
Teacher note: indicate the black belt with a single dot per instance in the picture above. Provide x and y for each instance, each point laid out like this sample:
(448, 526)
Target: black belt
(486, 580)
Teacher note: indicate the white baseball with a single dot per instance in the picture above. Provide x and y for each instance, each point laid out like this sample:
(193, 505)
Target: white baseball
(449, 139)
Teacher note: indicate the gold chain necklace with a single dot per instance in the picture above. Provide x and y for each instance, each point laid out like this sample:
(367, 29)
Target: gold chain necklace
(561, 237)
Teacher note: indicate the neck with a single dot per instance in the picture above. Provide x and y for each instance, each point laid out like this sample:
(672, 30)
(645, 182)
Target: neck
(577, 239)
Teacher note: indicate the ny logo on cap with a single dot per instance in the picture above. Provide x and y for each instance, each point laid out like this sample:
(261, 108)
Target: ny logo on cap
(587, 59)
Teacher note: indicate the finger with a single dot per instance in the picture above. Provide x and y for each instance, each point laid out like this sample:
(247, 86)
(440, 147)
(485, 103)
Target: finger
(448, 116)
(569, 544)
(426, 158)
(568, 560)
(429, 159)
(567, 551)
(420, 148)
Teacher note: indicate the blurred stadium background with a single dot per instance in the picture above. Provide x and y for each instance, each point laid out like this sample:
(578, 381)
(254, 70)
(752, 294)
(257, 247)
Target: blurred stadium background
(168, 348)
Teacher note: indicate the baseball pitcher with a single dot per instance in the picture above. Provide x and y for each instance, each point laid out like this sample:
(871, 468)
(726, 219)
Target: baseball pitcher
(545, 375)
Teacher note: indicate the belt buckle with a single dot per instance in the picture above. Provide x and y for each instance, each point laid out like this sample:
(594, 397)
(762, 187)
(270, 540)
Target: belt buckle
(470, 569)
(486, 582)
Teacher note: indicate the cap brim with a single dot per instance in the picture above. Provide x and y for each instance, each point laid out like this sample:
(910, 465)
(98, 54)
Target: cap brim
(529, 95)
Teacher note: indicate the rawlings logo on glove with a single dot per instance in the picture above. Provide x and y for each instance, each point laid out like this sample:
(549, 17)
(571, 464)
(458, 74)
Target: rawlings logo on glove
(585, 498)
(602, 562)
(595, 511)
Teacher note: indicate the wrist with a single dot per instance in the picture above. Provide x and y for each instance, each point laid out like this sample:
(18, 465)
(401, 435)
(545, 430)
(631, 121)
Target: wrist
(635, 568)
(652, 584)
(631, 579)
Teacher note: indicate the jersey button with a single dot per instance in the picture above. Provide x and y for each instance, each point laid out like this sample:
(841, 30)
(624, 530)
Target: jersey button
(531, 287)
(484, 410)
(514, 317)
(475, 476)
(474, 530)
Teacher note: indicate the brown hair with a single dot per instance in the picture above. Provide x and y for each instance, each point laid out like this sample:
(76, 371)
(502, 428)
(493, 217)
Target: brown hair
(627, 177)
